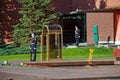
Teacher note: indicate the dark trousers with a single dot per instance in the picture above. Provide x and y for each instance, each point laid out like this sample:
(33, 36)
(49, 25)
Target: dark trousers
(32, 55)
(77, 39)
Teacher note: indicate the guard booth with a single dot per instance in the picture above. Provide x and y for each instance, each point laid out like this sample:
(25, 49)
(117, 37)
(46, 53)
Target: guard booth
(51, 42)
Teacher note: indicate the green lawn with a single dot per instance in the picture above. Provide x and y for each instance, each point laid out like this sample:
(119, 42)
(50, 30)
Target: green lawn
(83, 53)
(24, 57)
(68, 53)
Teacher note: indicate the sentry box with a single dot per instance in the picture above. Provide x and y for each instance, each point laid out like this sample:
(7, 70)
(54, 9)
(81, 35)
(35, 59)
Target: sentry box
(51, 43)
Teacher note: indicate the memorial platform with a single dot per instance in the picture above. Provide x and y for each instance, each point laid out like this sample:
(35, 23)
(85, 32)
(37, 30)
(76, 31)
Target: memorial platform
(70, 63)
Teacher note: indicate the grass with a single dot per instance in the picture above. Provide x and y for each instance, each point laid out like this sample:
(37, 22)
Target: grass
(19, 57)
(68, 53)
(83, 53)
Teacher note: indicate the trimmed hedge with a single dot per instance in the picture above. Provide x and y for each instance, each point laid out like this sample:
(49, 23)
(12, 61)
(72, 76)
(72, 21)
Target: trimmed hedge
(11, 49)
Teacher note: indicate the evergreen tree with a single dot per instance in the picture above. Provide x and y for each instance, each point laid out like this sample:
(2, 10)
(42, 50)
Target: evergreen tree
(35, 14)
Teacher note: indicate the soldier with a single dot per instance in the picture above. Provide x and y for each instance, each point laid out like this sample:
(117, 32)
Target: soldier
(77, 35)
(33, 46)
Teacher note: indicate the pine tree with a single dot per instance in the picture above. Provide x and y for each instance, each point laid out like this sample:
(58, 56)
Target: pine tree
(35, 14)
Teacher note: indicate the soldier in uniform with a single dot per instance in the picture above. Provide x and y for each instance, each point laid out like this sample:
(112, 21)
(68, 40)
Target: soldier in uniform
(33, 46)
(77, 35)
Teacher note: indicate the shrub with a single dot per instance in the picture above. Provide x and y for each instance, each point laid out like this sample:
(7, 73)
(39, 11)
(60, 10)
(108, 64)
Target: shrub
(11, 49)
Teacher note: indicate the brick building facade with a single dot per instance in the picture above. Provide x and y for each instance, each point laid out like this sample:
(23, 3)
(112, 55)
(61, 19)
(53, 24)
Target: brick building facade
(104, 13)
(105, 23)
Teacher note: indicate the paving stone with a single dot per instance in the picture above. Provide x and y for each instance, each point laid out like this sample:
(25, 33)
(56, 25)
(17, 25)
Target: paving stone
(60, 73)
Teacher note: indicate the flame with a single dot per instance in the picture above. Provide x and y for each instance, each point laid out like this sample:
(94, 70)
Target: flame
(90, 56)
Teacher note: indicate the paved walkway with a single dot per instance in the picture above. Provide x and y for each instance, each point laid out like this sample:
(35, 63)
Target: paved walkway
(111, 72)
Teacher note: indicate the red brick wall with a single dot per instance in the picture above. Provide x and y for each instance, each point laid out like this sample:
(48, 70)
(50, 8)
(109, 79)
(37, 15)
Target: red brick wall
(8, 17)
(83, 4)
(94, 4)
(112, 3)
(117, 26)
(62, 6)
(105, 24)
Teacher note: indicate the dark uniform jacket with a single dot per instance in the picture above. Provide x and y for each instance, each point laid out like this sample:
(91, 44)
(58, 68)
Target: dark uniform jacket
(33, 44)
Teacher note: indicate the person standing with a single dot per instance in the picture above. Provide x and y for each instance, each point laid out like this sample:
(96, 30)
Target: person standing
(33, 46)
(77, 35)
